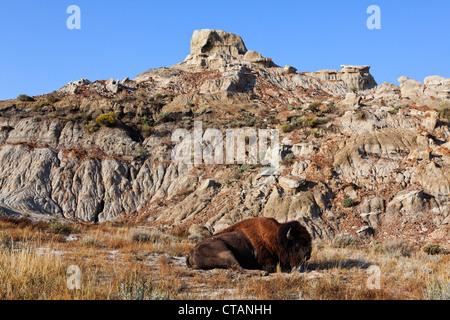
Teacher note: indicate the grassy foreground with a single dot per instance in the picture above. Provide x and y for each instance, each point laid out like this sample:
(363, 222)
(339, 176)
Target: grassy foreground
(118, 261)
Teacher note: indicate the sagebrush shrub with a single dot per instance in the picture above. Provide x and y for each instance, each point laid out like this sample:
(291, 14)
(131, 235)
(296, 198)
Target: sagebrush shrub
(107, 119)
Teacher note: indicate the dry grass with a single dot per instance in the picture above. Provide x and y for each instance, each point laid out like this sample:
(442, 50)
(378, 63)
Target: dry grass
(119, 261)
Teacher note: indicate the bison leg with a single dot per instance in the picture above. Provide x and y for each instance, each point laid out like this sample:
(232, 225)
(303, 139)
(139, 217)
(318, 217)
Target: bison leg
(215, 253)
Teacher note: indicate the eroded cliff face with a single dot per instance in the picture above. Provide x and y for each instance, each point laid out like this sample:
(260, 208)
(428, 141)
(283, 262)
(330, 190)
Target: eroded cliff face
(386, 147)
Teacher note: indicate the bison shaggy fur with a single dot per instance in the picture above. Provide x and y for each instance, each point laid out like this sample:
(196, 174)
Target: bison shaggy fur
(255, 244)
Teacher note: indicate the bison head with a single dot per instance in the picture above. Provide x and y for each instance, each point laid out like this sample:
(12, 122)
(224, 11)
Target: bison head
(294, 245)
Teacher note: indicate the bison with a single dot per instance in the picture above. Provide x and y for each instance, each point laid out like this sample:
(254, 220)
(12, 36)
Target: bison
(254, 244)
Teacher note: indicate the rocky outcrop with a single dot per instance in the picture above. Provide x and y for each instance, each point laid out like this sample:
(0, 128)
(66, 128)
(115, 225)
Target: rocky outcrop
(354, 77)
(217, 49)
(434, 88)
(437, 86)
(104, 88)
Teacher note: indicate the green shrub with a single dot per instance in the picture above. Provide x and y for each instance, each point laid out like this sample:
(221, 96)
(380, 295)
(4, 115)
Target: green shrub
(244, 167)
(163, 117)
(393, 111)
(312, 123)
(434, 249)
(24, 97)
(107, 119)
(150, 236)
(331, 107)
(260, 124)
(316, 133)
(147, 129)
(60, 228)
(250, 121)
(348, 202)
(92, 126)
(288, 159)
(235, 124)
(285, 127)
(314, 105)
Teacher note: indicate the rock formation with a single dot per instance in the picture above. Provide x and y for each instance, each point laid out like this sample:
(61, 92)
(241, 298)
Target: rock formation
(354, 77)
(341, 136)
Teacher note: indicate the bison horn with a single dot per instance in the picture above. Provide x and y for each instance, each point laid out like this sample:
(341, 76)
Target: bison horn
(288, 235)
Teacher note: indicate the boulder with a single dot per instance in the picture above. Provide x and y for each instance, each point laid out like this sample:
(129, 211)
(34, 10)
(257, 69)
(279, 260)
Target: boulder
(431, 120)
(291, 182)
(252, 56)
(437, 87)
(370, 210)
(411, 88)
(408, 204)
(288, 69)
(351, 99)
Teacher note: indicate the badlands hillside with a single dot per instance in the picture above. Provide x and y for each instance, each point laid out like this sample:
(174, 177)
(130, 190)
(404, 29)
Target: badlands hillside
(355, 156)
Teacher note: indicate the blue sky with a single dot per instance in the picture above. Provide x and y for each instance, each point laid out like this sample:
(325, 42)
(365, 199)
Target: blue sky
(118, 39)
